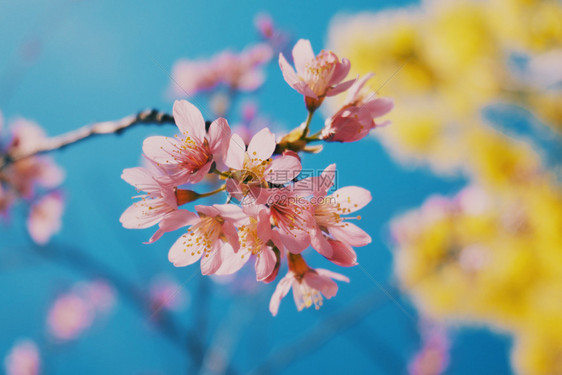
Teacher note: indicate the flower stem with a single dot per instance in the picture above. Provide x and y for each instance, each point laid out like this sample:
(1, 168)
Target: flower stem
(222, 188)
(306, 129)
(223, 174)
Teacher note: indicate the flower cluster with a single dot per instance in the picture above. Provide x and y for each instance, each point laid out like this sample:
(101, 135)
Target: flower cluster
(237, 71)
(34, 180)
(271, 215)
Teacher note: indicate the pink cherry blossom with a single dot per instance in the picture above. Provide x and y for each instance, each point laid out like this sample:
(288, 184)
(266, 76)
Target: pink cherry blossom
(257, 240)
(316, 76)
(44, 218)
(357, 116)
(69, 317)
(99, 293)
(209, 237)
(158, 206)
(252, 168)
(189, 156)
(308, 285)
(330, 223)
(291, 213)
(23, 359)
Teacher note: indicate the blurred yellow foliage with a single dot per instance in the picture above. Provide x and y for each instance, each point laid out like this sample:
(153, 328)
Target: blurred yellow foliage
(493, 253)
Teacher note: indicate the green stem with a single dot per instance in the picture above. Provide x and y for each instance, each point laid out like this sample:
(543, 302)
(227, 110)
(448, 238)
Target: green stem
(224, 174)
(222, 188)
(306, 129)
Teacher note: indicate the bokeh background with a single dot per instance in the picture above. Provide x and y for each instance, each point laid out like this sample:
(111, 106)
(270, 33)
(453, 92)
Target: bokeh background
(476, 105)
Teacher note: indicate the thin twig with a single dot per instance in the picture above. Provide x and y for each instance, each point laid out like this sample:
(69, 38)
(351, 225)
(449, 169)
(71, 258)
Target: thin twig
(81, 262)
(149, 116)
(321, 333)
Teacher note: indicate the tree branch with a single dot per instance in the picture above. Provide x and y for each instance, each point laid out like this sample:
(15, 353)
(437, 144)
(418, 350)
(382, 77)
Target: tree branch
(135, 296)
(321, 333)
(149, 116)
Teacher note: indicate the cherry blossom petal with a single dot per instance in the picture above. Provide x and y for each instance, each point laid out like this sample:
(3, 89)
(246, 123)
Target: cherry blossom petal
(232, 262)
(287, 70)
(302, 54)
(280, 292)
(340, 88)
(343, 255)
(262, 145)
(379, 107)
(325, 285)
(350, 234)
(137, 215)
(283, 169)
(293, 80)
(212, 260)
(351, 198)
(319, 242)
(231, 212)
(161, 149)
(173, 221)
(340, 72)
(210, 211)
(235, 154)
(295, 242)
(219, 137)
(332, 275)
(189, 120)
(354, 90)
(184, 252)
(265, 263)
(229, 231)
(142, 179)
(200, 174)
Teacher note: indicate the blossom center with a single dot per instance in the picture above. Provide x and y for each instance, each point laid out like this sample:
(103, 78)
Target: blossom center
(249, 238)
(203, 235)
(319, 71)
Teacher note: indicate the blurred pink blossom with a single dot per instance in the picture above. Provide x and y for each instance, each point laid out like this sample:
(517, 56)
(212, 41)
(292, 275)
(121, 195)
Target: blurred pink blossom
(75, 311)
(23, 359)
(24, 175)
(166, 293)
(99, 293)
(241, 71)
(44, 219)
(264, 24)
(433, 357)
(69, 317)
(28, 178)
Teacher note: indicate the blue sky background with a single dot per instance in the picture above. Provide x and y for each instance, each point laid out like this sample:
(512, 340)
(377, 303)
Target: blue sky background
(102, 60)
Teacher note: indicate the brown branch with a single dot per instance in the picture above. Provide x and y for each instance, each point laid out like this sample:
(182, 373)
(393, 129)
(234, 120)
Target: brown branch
(149, 116)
